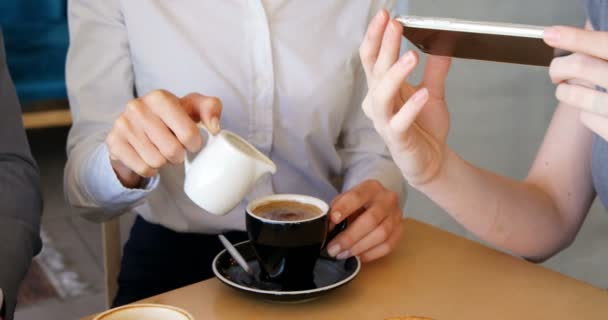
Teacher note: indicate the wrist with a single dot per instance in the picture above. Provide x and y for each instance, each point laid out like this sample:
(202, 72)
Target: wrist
(127, 177)
(437, 172)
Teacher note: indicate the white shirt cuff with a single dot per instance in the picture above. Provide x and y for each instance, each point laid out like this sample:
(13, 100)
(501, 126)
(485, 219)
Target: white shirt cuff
(102, 184)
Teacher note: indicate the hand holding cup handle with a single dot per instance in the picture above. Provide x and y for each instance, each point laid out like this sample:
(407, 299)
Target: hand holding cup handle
(336, 230)
(331, 235)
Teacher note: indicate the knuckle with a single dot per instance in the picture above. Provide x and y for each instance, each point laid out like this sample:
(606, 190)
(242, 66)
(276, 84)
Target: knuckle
(554, 63)
(193, 95)
(373, 217)
(213, 104)
(121, 124)
(391, 243)
(191, 132)
(159, 98)
(397, 219)
(112, 143)
(111, 139)
(392, 198)
(135, 107)
(378, 73)
(569, 94)
(214, 101)
(385, 248)
(175, 153)
(383, 233)
(382, 250)
(579, 63)
(379, 100)
(365, 54)
(375, 184)
(347, 241)
(144, 170)
(353, 197)
(191, 136)
(158, 94)
(158, 162)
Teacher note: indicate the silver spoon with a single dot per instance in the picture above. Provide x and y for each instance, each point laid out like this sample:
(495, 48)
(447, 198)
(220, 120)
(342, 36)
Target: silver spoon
(235, 254)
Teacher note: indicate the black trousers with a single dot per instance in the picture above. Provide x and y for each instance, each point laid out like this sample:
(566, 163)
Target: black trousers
(156, 260)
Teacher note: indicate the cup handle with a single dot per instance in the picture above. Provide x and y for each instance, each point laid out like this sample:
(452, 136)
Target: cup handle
(337, 229)
(191, 155)
(330, 236)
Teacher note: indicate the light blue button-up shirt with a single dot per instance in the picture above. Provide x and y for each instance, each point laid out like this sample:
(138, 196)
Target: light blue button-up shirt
(287, 72)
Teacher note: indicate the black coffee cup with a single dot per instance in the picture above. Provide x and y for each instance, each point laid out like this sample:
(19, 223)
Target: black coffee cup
(288, 233)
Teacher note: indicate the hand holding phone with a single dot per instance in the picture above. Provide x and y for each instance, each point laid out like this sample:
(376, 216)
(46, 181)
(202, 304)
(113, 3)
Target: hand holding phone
(412, 118)
(499, 42)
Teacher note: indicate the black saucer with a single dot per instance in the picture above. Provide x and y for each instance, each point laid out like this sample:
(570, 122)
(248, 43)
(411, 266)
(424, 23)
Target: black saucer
(329, 274)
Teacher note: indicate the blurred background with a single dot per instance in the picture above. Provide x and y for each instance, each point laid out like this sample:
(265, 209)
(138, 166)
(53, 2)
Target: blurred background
(499, 115)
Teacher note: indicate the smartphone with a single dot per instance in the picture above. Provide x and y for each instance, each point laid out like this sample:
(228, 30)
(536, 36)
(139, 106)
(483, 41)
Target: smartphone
(499, 42)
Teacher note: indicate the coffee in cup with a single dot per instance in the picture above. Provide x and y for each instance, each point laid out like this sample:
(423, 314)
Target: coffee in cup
(287, 210)
(287, 233)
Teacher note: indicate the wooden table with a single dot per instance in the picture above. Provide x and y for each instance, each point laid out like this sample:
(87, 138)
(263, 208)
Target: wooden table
(432, 273)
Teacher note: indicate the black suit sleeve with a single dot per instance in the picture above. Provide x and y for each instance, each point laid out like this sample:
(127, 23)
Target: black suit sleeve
(20, 195)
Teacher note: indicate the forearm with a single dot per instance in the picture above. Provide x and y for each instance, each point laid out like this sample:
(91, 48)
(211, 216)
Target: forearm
(90, 183)
(516, 216)
(20, 196)
(99, 87)
(21, 201)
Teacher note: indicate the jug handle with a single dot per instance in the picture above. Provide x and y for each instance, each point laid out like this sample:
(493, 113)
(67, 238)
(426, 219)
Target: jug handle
(191, 155)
